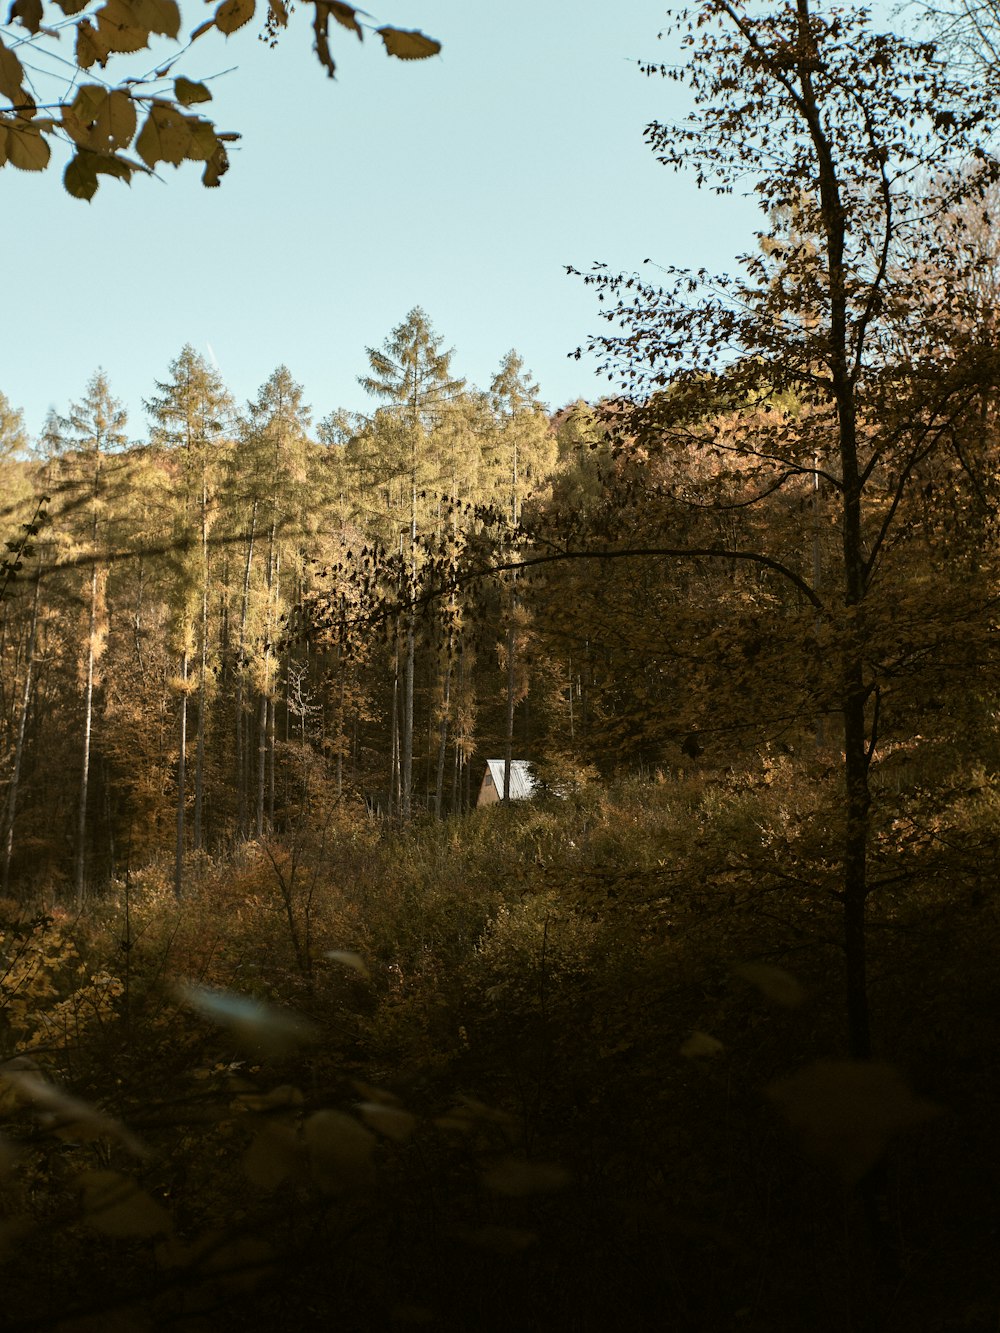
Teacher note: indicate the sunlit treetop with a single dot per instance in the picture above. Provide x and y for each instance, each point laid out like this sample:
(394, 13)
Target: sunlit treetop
(122, 123)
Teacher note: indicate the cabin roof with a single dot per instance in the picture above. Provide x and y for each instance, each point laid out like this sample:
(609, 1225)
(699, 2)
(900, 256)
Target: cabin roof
(522, 784)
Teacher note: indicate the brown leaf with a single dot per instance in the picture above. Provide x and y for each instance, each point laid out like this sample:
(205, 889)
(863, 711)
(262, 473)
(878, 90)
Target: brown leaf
(406, 45)
(11, 74)
(29, 12)
(234, 14)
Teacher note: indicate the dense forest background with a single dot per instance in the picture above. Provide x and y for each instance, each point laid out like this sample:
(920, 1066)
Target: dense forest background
(704, 1033)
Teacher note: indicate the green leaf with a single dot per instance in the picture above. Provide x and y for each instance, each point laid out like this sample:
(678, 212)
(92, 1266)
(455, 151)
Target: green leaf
(406, 45)
(234, 14)
(188, 92)
(774, 982)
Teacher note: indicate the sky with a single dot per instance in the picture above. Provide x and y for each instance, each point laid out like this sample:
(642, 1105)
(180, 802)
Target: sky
(464, 184)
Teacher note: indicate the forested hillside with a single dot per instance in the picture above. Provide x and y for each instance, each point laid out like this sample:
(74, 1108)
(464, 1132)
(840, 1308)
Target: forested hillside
(703, 1034)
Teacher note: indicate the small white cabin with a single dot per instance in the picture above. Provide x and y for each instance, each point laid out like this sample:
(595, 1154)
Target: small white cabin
(522, 784)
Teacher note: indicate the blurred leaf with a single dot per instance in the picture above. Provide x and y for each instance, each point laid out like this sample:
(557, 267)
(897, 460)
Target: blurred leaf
(66, 1116)
(501, 1240)
(516, 1178)
(116, 1206)
(255, 1025)
(701, 1044)
(406, 45)
(188, 92)
(352, 960)
(273, 1156)
(774, 982)
(340, 1151)
(847, 1111)
(234, 14)
(392, 1121)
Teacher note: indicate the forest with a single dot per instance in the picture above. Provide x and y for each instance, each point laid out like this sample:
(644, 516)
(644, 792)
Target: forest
(292, 1029)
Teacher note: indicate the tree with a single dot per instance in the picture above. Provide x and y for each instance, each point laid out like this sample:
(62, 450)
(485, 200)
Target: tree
(856, 312)
(150, 113)
(189, 414)
(411, 374)
(94, 428)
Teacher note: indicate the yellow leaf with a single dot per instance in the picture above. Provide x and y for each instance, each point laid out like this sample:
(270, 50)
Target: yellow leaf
(847, 1111)
(3, 144)
(215, 168)
(774, 982)
(71, 7)
(80, 178)
(91, 46)
(116, 1206)
(119, 27)
(188, 92)
(233, 14)
(701, 1044)
(408, 45)
(279, 12)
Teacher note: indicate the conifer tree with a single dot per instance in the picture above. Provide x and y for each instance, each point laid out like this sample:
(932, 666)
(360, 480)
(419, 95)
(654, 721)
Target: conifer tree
(411, 374)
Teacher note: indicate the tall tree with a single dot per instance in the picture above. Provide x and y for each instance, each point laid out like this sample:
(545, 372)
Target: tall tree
(93, 429)
(190, 413)
(832, 120)
(411, 374)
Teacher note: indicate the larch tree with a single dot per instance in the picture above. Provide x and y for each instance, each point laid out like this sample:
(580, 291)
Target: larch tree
(190, 413)
(94, 428)
(411, 375)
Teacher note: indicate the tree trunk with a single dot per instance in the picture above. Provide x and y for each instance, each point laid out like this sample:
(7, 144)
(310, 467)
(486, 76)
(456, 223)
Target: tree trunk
(88, 716)
(181, 783)
(22, 722)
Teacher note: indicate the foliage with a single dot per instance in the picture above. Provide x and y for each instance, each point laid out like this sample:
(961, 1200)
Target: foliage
(149, 113)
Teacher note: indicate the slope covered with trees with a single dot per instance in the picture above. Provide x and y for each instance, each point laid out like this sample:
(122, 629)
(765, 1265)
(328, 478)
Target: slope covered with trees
(690, 1032)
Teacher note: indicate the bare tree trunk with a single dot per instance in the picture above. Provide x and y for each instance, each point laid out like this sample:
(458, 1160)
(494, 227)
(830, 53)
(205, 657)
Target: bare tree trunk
(243, 749)
(22, 722)
(88, 716)
(442, 738)
(199, 761)
(181, 783)
(509, 742)
(261, 761)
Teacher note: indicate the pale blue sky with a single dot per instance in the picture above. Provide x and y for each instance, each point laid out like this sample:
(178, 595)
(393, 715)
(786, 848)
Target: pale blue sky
(464, 184)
